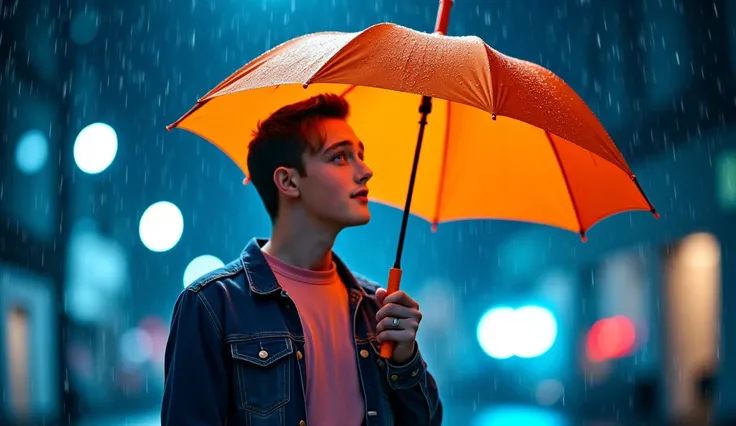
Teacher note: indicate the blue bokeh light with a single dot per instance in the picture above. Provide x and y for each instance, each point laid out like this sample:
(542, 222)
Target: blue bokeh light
(526, 332)
(32, 152)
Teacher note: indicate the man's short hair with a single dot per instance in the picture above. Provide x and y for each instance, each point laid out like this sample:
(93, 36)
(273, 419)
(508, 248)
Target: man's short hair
(284, 137)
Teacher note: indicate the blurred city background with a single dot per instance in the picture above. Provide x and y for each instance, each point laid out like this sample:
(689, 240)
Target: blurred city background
(105, 216)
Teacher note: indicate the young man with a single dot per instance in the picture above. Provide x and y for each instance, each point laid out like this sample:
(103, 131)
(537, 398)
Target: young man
(286, 334)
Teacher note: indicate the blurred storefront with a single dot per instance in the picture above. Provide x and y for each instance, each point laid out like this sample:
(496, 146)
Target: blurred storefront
(670, 279)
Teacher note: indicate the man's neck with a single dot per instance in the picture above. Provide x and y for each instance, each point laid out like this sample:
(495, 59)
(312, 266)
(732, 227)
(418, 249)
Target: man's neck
(301, 245)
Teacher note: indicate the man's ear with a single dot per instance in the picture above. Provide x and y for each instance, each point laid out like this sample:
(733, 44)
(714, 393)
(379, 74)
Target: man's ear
(287, 181)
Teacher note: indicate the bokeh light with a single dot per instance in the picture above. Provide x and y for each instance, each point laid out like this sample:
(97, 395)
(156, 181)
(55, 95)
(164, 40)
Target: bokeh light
(199, 266)
(32, 152)
(136, 346)
(536, 331)
(495, 333)
(611, 338)
(527, 332)
(161, 226)
(95, 148)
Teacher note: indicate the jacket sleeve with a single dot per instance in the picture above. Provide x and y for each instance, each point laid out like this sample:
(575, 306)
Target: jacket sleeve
(416, 397)
(196, 380)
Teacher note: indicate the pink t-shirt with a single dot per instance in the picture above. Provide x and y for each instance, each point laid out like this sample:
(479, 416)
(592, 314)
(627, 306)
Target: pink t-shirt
(334, 395)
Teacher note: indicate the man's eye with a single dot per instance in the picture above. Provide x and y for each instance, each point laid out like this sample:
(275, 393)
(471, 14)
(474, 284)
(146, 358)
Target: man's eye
(340, 157)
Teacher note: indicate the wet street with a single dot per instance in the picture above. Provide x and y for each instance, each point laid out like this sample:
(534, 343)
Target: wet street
(494, 416)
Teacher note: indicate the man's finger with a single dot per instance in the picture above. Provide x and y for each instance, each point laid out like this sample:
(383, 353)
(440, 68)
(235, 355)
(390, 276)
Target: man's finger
(394, 310)
(401, 298)
(380, 296)
(404, 324)
(398, 336)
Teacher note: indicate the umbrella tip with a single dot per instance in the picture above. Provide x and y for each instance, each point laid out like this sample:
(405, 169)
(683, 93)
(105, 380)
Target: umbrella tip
(434, 227)
(583, 236)
(246, 180)
(493, 116)
(656, 214)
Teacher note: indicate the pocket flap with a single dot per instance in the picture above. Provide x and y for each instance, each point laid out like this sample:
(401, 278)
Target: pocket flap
(261, 352)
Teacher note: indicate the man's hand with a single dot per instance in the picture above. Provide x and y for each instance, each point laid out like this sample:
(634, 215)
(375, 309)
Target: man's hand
(398, 321)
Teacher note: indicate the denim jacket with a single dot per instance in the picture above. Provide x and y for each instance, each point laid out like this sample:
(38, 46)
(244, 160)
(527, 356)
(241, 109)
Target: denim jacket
(234, 355)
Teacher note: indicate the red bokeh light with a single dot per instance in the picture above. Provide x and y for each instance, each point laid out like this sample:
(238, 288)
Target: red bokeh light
(611, 338)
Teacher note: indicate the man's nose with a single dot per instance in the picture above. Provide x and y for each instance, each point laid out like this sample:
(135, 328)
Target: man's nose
(364, 172)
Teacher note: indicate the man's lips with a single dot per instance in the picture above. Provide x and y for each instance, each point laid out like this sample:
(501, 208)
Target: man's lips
(361, 195)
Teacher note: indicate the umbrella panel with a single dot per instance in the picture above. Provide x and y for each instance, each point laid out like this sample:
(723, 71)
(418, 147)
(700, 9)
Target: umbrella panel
(471, 166)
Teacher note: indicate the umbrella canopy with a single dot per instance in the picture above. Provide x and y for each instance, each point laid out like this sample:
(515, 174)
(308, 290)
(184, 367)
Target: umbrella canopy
(507, 139)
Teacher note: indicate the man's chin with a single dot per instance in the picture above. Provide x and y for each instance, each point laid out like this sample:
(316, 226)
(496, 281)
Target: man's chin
(359, 220)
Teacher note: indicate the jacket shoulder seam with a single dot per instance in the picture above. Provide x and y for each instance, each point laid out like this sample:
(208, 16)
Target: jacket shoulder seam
(228, 271)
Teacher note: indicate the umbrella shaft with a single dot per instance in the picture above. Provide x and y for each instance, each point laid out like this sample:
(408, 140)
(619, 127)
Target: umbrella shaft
(425, 108)
(443, 16)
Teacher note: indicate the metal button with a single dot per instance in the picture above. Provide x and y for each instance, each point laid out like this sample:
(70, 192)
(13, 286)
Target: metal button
(263, 354)
(299, 355)
(302, 423)
(414, 373)
(394, 377)
(364, 353)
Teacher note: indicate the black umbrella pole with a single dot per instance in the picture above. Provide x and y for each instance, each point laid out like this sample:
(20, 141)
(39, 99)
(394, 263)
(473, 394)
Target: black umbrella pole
(394, 277)
(425, 108)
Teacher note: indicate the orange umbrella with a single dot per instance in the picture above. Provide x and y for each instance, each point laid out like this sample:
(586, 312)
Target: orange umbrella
(510, 140)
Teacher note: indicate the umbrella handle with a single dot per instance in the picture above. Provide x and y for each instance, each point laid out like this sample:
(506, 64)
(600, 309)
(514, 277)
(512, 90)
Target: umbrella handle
(394, 282)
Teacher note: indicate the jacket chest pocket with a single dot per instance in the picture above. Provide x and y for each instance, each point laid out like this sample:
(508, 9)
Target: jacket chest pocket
(262, 370)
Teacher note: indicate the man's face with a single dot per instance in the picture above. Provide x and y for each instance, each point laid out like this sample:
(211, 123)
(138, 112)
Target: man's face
(334, 190)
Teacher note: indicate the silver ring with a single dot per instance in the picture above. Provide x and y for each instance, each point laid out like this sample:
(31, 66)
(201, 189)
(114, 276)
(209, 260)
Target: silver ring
(394, 322)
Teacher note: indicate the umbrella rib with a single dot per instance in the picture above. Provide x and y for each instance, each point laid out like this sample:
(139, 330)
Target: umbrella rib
(348, 90)
(581, 230)
(443, 168)
(492, 100)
